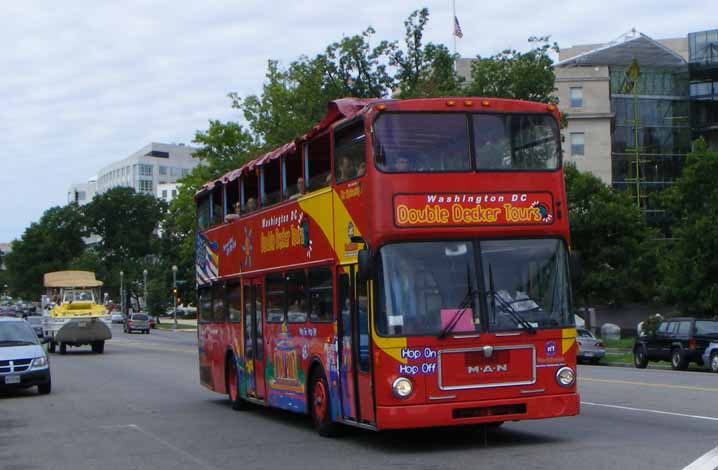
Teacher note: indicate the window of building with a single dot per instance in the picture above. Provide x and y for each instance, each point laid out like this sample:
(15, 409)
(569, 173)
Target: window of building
(163, 170)
(164, 194)
(174, 193)
(293, 175)
(349, 152)
(275, 297)
(577, 144)
(175, 171)
(576, 94)
(81, 195)
(271, 182)
(318, 162)
(145, 186)
(219, 308)
(234, 302)
(320, 295)
(145, 170)
(185, 172)
(297, 296)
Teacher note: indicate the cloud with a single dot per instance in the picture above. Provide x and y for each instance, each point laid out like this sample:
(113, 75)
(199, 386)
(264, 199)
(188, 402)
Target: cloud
(86, 83)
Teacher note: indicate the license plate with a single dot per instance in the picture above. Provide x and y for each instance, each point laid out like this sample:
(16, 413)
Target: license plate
(588, 354)
(12, 379)
(82, 323)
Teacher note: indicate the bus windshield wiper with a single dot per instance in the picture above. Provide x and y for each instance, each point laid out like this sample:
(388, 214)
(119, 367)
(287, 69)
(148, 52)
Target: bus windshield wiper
(465, 302)
(507, 306)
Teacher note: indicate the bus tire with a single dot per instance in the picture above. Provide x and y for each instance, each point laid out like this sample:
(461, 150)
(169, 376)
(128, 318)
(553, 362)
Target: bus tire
(320, 405)
(231, 380)
(63, 348)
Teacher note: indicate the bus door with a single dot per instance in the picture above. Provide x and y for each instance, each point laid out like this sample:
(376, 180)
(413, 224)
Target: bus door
(355, 352)
(253, 336)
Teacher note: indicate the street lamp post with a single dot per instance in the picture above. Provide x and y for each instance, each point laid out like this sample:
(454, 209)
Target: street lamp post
(144, 279)
(174, 293)
(122, 292)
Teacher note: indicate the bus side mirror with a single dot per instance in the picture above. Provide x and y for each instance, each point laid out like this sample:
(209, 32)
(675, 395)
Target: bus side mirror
(366, 265)
(576, 265)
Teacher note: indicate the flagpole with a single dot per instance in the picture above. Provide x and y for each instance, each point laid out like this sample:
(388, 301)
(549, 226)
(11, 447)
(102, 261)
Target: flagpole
(453, 23)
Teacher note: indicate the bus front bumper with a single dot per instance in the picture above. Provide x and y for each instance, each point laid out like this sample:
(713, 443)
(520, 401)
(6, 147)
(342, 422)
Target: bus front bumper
(477, 412)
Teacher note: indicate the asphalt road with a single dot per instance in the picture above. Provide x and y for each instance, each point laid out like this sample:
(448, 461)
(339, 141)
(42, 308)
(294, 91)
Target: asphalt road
(140, 406)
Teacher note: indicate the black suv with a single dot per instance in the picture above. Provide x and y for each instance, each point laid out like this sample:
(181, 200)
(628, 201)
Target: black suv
(679, 340)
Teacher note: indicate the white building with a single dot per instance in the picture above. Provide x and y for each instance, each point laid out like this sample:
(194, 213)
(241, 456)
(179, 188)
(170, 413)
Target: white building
(167, 191)
(147, 168)
(82, 193)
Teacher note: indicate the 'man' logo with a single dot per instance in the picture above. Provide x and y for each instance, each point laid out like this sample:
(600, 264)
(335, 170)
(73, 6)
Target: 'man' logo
(487, 369)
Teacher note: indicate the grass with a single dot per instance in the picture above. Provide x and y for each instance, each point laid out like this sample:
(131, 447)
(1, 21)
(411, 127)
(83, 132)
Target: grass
(170, 326)
(623, 343)
(622, 358)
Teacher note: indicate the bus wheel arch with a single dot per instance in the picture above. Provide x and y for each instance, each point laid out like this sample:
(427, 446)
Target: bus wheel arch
(231, 382)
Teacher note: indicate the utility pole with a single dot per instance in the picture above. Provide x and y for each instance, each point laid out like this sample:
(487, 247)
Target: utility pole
(174, 293)
(122, 292)
(144, 278)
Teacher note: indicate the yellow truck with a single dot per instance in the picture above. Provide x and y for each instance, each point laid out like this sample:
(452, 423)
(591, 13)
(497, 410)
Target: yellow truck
(76, 315)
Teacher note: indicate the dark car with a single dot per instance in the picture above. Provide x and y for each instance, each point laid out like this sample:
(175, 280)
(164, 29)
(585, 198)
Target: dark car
(678, 340)
(137, 322)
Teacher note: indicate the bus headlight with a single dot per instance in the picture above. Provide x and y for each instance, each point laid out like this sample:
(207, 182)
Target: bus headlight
(402, 387)
(565, 376)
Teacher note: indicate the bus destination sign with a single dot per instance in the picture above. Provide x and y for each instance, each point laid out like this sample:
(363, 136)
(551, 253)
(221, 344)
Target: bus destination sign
(470, 209)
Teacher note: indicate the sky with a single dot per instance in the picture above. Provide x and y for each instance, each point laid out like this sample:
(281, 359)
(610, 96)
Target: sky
(84, 83)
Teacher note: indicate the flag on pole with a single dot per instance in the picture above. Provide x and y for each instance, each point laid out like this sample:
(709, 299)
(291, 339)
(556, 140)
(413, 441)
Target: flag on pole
(457, 28)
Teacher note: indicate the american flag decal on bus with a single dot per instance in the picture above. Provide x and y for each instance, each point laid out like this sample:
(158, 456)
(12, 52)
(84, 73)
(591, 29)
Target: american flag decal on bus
(206, 260)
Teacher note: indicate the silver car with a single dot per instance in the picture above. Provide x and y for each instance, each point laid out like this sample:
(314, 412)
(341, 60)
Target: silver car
(23, 361)
(710, 356)
(590, 348)
(137, 322)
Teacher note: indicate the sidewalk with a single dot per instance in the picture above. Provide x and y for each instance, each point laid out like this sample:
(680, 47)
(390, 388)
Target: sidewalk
(183, 324)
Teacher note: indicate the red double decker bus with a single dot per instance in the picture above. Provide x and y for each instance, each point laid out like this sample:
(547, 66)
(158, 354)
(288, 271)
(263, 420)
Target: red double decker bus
(402, 265)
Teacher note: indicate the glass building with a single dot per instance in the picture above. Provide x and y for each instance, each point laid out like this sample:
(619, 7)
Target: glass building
(703, 74)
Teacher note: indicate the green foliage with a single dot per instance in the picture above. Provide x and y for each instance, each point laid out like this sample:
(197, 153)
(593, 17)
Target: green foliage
(517, 75)
(689, 268)
(47, 245)
(616, 244)
(424, 71)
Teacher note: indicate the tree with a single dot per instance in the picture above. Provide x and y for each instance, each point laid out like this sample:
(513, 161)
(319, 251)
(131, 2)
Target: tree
(127, 224)
(689, 269)
(294, 100)
(47, 245)
(616, 244)
(516, 75)
(424, 71)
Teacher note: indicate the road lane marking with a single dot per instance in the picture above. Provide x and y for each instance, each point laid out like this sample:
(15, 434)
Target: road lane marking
(170, 446)
(644, 410)
(707, 461)
(647, 384)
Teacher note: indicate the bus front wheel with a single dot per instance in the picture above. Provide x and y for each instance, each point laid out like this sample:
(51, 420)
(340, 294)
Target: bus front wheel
(232, 381)
(320, 406)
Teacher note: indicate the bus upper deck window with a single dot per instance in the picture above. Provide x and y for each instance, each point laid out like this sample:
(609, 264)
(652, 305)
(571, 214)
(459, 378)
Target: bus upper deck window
(203, 212)
(319, 163)
(250, 190)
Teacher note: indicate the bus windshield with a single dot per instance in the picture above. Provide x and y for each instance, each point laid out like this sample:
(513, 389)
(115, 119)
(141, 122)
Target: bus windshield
(427, 288)
(440, 142)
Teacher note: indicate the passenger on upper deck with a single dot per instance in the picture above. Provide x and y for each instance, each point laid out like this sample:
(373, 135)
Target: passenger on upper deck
(251, 205)
(300, 188)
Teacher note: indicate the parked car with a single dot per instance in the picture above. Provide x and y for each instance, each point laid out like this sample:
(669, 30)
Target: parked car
(678, 340)
(117, 317)
(23, 361)
(590, 348)
(137, 322)
(710, 356)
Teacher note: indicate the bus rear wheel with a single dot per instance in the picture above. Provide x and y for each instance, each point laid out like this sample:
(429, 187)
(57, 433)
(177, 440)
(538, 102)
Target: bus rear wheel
(232, 381)
(320, 406)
